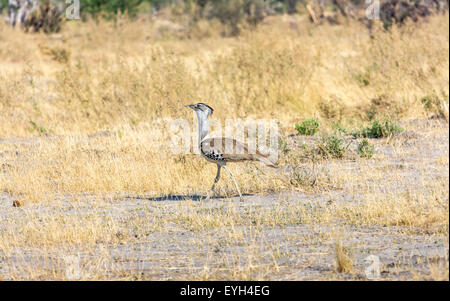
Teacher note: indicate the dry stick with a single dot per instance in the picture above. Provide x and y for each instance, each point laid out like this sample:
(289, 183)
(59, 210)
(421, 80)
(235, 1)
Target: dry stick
(348, 145)
(324, 150)
(312, 14)
(441, 204)
(314, 170)
(390, 139)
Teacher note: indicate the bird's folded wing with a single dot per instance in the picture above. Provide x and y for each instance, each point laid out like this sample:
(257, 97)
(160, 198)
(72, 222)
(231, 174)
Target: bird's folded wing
(228, 149)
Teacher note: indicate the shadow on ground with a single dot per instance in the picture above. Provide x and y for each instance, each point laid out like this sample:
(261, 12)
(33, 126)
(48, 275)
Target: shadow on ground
(187, 197)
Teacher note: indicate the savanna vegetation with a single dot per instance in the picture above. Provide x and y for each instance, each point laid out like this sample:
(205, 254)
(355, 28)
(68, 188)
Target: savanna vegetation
(362, 107)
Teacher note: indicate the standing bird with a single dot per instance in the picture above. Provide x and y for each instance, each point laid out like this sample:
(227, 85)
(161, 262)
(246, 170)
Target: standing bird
(223, 150)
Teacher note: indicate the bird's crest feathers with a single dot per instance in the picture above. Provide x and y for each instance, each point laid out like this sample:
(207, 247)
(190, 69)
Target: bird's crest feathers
(202, 106)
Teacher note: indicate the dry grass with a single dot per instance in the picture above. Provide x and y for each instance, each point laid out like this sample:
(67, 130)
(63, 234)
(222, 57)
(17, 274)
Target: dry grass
(120, 80)
(82, 135)
(344, 263)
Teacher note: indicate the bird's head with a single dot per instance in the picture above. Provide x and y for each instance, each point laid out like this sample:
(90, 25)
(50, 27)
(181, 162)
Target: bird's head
(201, 108)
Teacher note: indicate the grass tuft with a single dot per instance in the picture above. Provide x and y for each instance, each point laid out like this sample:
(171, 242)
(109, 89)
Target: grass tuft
(332, 145)
(344, 262)
(365, 149)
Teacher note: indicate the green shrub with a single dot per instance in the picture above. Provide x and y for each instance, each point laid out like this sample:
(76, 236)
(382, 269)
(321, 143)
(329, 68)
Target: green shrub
(379, 129)
(109, 8)
(307, 127)
(332, 145)
(365, 149)
(3, 5)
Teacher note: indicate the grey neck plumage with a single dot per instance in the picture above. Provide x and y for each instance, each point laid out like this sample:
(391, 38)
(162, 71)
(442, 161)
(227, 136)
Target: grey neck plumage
(203, 125)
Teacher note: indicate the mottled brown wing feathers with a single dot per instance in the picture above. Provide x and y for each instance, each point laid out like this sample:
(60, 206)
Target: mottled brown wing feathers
(231, 150)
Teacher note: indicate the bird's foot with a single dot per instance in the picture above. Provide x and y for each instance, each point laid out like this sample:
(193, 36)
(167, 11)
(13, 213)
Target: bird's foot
(210, 194)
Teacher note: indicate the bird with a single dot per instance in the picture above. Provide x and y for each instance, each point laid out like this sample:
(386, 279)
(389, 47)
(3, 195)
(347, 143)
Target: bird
(217, 149)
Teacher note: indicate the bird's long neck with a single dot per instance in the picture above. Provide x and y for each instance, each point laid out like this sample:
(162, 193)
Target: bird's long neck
(203, 126)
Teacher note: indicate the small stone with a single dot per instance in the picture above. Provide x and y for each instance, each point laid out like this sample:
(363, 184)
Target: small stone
(18, 203)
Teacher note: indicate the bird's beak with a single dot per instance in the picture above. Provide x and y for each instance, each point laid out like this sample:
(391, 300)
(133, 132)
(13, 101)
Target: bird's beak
(190, 106)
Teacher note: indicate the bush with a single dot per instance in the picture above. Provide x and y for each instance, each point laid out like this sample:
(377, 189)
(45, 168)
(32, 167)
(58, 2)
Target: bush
(109, 8)
(234, 13)
(379, 129)
(397, 12)
(47, 18)
(365, 149)
(307, 127)
(437, 106)
(332, 145)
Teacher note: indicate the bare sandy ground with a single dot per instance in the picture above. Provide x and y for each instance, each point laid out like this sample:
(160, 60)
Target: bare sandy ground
(288, 235)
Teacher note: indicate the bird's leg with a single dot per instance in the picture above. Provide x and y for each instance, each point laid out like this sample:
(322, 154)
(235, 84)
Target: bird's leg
(235, 183)
(217, 177)
(215, 181)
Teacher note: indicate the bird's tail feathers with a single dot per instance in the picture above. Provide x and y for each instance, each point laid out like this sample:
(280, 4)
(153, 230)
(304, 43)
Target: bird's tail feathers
(266, 161)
